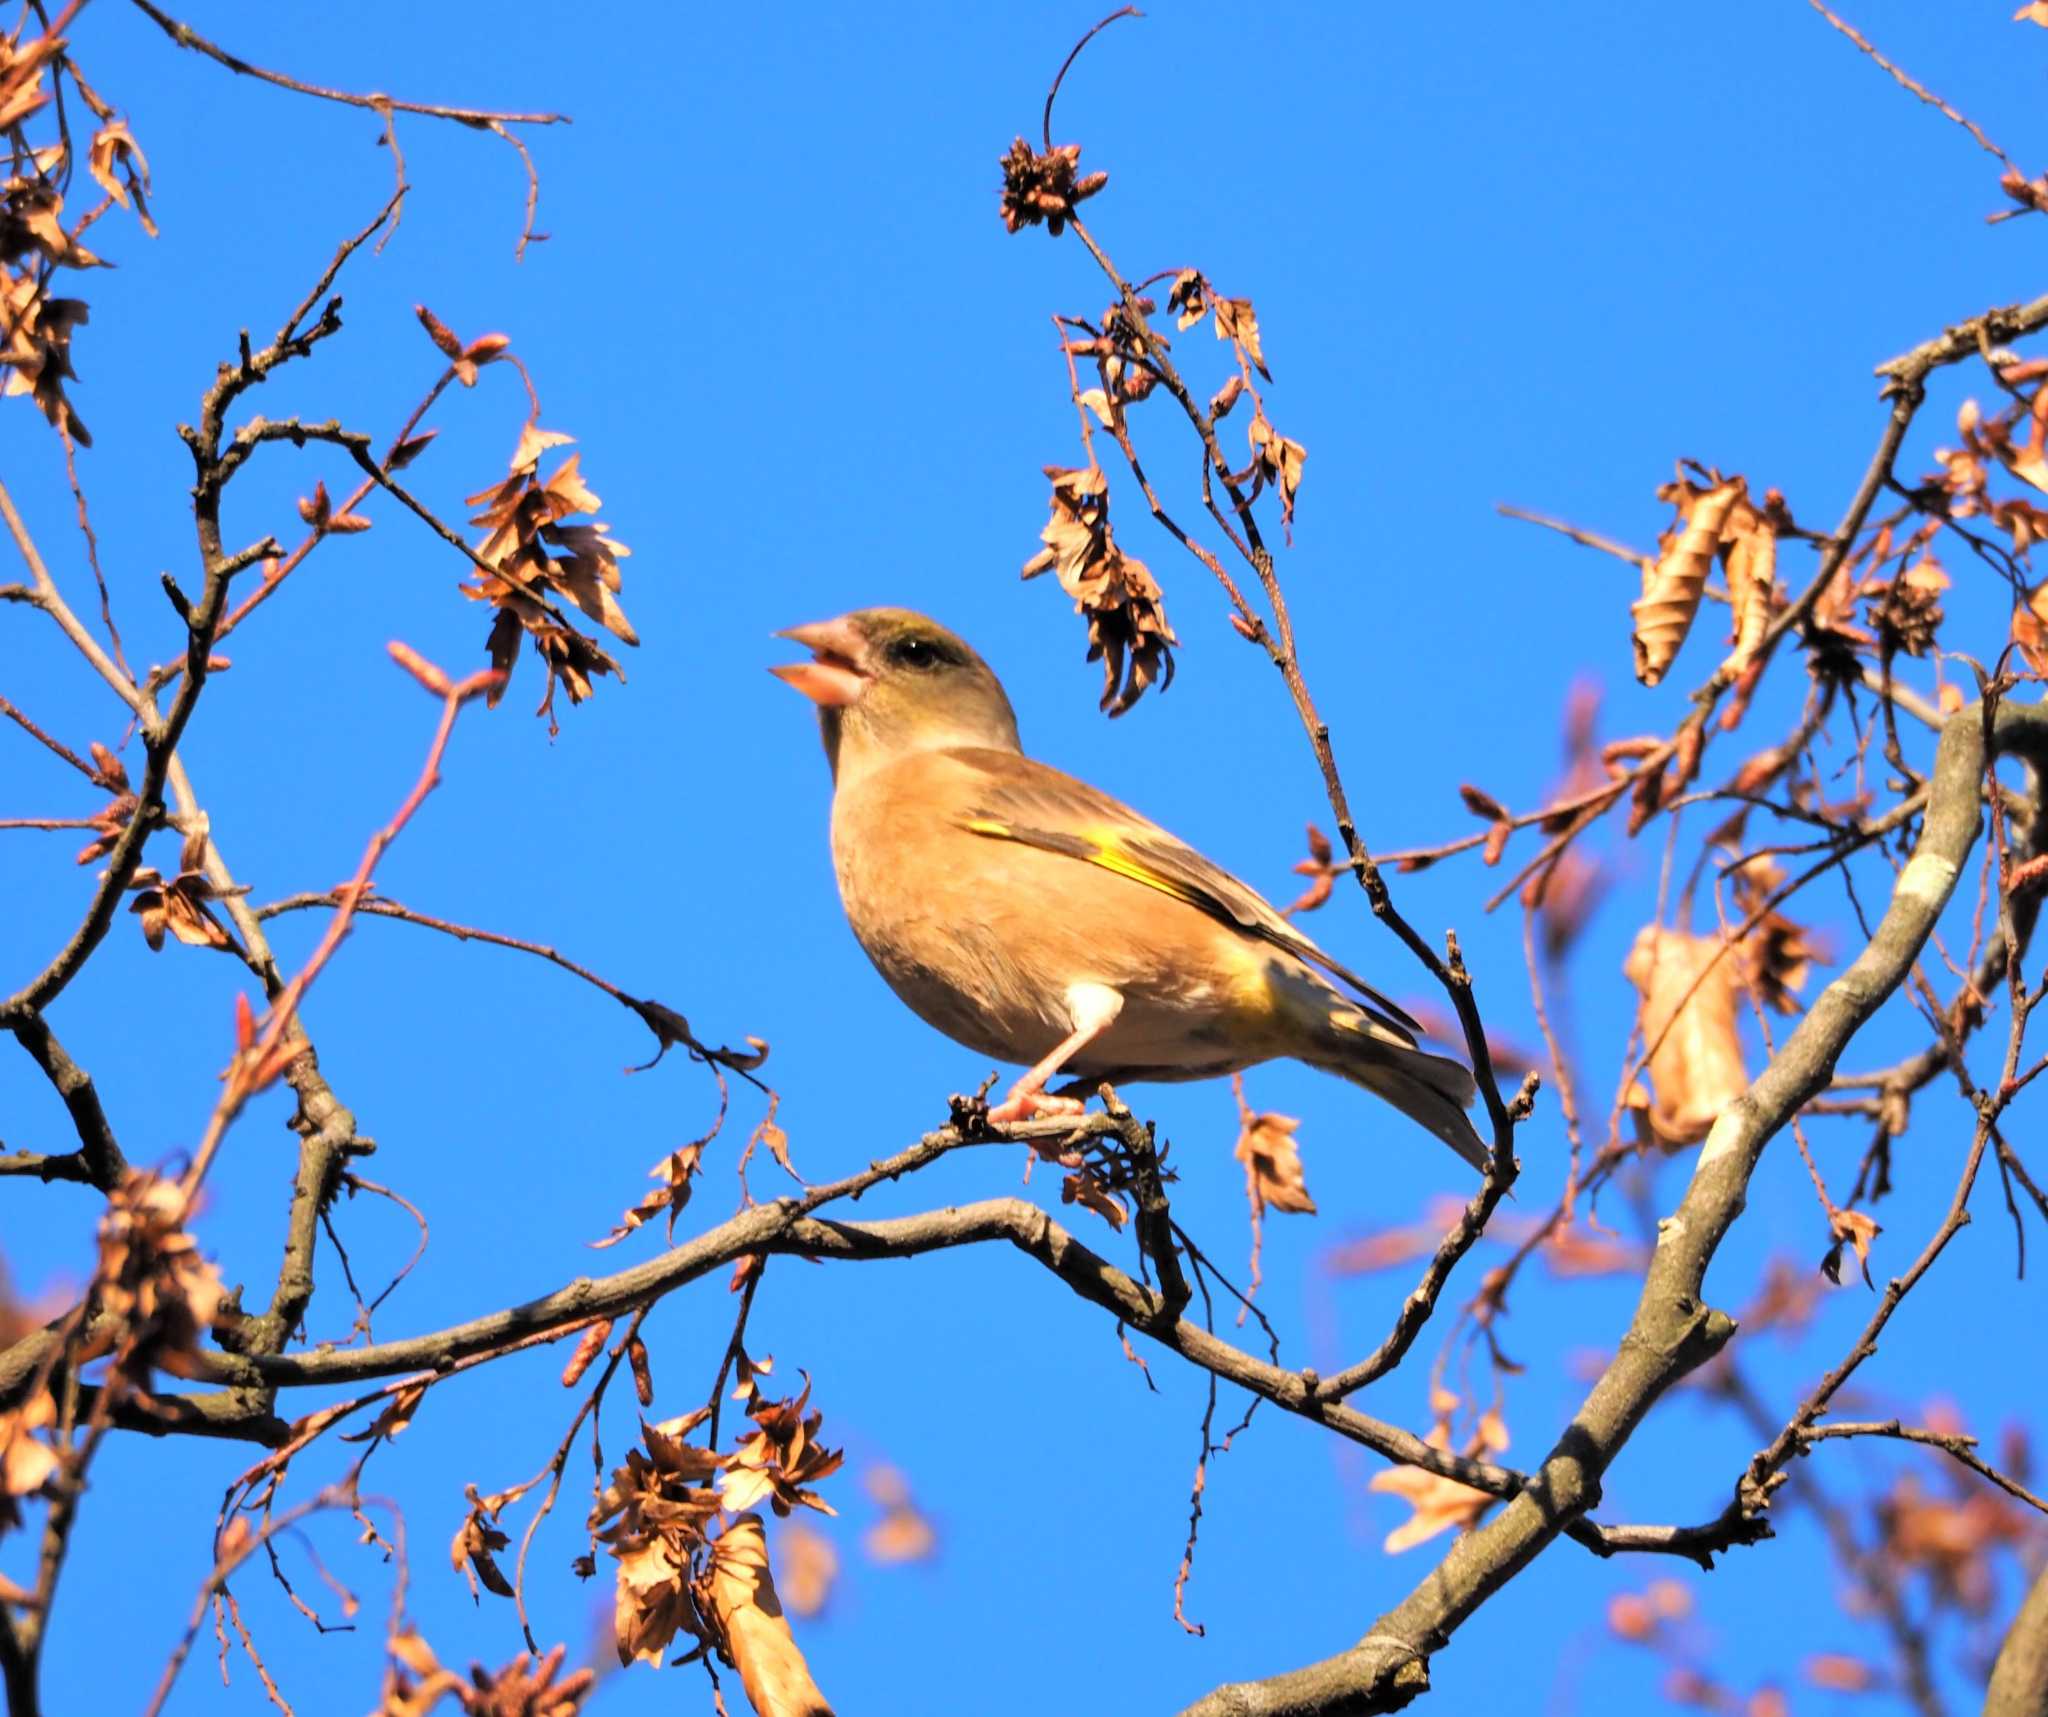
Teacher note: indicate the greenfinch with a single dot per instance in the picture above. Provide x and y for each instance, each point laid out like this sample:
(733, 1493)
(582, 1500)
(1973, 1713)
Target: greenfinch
(1039, 921)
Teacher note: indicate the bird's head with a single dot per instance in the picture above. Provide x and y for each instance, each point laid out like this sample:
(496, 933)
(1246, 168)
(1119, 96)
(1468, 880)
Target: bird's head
(887, 681)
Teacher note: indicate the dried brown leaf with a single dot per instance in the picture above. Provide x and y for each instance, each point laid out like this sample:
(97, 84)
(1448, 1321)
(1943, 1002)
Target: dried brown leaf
(1088, 1189)
(157, 1296)
(809, 1567)
(743, 1604)
(1674, 583)
(1696, 1069)
(1751, 559)
(1115, 592)
(1439, 1504)
(1855, 1230)
(675, 1172)
(1279, 460)
(903, 1534)
(1272, 1165)
(2030, 628)
(472, 1553)
(1237, 322)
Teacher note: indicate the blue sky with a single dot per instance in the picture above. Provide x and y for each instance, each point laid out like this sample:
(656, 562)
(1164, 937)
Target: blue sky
(1499, 253)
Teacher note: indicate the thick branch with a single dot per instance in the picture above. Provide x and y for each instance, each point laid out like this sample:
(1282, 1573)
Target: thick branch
(786, 1227)
(1501, 1169)
(1673, 1330)
(2019, 1679)
(1966, 339)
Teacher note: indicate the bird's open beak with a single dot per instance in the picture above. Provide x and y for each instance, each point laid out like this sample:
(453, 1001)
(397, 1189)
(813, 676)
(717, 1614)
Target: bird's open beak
(835, 676)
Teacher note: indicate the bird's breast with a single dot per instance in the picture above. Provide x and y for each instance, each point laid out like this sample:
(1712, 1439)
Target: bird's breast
(983, 938)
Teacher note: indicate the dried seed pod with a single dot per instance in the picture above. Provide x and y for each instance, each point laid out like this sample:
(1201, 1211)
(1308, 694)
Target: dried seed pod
(587, 1349)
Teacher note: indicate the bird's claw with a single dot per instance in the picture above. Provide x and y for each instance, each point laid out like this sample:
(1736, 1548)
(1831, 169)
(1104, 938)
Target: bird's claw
(1026, 1104)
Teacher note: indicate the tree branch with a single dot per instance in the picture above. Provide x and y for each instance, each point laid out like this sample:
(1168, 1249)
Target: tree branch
(98, 1160)
(2019, 1679)
(1673, 1330)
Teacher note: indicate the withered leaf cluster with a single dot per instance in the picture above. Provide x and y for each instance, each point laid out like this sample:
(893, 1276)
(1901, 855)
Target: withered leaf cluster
(2016, 437)
(1900, 582)
(1715, 519)
(1123, 349)
(156, 1294)
(473, 1551)
(1278, 462)
(35, 241)
(27, 1458)
(654, 1517)
(779, 1459)
(2030, 628)
(1122, 603)
(903, 1533)
(1950, 1539)
(1043, 188)
(1776, 954)
(181, 904)
(1191, 297)
(111, 818)
(416, 1682)
(658, 1514)
(1276, 459)
(675, 1172)
(1906, 608)
(537, 549)
(1565, 895)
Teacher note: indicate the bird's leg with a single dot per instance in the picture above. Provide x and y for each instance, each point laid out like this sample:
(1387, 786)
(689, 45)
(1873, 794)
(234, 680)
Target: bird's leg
(1092, 1010)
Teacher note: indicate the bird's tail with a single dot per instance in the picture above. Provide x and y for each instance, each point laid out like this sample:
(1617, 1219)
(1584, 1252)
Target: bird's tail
(1432, 1090)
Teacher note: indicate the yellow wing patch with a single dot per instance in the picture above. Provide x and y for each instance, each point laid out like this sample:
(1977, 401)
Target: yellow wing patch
(1110, 856)
(1097, 846)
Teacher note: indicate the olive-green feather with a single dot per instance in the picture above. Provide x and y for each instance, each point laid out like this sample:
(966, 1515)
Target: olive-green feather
(1039, 806)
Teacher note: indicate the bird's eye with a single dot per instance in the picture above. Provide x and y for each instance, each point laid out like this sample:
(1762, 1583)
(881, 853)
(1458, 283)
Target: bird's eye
(914, 653)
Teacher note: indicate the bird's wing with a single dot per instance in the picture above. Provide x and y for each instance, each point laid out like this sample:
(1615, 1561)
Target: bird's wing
(1039, 806)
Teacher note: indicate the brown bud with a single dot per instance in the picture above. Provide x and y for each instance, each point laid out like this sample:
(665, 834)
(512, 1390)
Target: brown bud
(1483, 804)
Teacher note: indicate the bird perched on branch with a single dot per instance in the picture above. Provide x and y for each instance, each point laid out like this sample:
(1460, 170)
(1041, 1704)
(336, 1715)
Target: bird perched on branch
(1037, 920)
